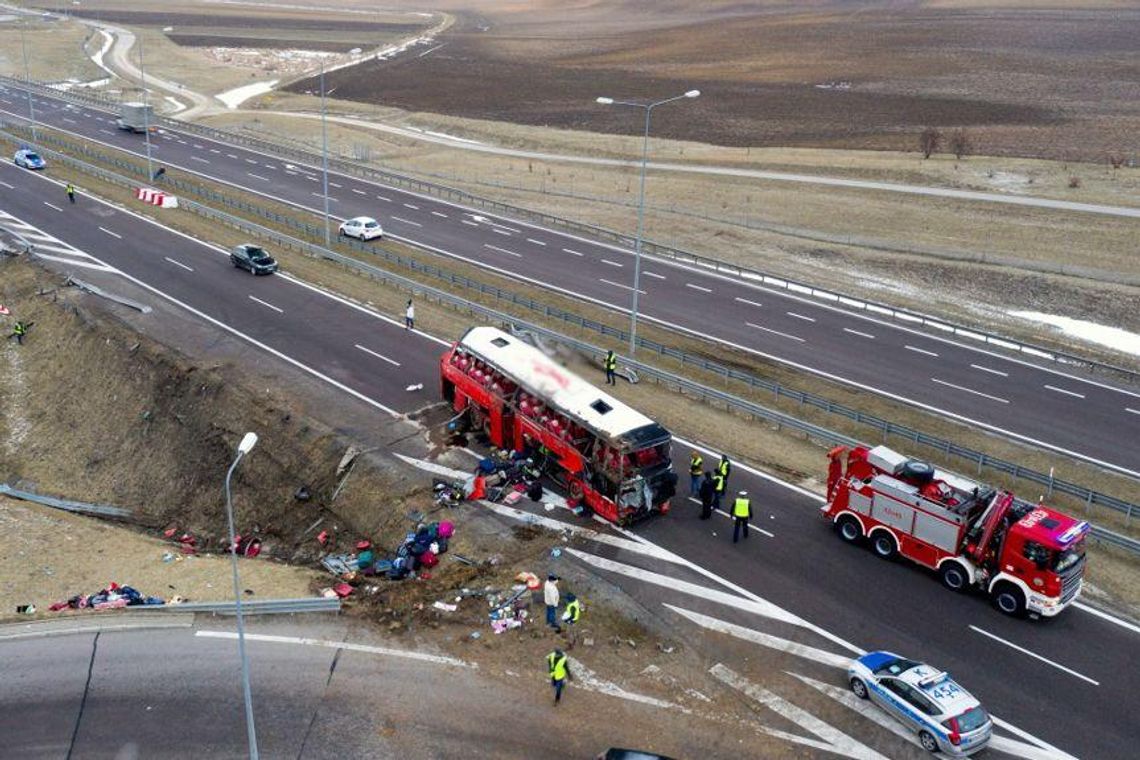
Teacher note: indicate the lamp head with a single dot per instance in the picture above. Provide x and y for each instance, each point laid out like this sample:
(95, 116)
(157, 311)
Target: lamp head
(606, 101)
(248, 441)
(692, 93)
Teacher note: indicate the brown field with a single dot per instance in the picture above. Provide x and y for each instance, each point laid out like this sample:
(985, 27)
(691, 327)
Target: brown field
(1023, 80)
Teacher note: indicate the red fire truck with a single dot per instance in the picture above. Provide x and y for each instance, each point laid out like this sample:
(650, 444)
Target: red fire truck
(608, 456)
(1026, 557)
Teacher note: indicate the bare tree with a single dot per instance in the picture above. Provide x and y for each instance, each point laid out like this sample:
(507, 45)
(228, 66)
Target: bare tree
(960, 144)
(929, 141)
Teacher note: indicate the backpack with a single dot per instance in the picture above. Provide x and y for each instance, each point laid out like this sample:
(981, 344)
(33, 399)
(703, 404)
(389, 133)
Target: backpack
(428, 559)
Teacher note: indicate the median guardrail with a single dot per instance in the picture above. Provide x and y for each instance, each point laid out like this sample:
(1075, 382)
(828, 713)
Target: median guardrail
(685, 385)
(344, 165)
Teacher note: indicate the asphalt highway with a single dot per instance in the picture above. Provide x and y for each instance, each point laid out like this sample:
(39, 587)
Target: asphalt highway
(1066, 411)
(1068, 681)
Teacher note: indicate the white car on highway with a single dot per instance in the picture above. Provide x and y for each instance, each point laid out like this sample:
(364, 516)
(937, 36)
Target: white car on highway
(361, 228)
(945, 716)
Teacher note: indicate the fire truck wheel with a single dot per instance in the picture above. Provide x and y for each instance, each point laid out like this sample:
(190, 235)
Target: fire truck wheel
(953, 576)
(1009, 599)
(928, 742)
(884, 544)
(859, 688)
(849, 529)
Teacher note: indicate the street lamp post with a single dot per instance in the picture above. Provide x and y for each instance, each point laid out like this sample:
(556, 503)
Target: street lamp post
(325, 156)
(146, 111)
(648, 107)
(28, 81)
(247, 443)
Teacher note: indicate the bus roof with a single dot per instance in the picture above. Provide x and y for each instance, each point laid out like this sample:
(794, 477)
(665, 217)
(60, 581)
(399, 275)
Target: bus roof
(564, 390)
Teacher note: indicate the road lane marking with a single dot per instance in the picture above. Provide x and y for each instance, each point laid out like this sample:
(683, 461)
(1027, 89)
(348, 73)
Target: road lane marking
(393, 362)
(830, 739)
(1034, 655)
(258, 176)
(997, 372)
(406, 221)
(231, 155)
(804, 317)
(1131, 410)
(215, 150)
(469, 222)
(411, 206)
(266, 303)
(814, 654)
(271, 166)
(919, 350)
(750, 303)
(73, 121)
(178, 264)
(502, 250)
(52, 205)
(439, 214)
(196, 145)
(311, 178)
(249, 160)
(777, 332)
(1074, 394)
(358, 191)
(536, 242)
(382, 198)
(619, 285)
(500, 232)
(5, 184)
(331, 199)
(654, 275)
(333, 184)
(287, 171)
(698, 287)
(106, 131)
(437, 659)
(112, 234)
(612, 263)
(571, 250)
(1104, 615)
(969, 390)
(860, 334)
(200, 160)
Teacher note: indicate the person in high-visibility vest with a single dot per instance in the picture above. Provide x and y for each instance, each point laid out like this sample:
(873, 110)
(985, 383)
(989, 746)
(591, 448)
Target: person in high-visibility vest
(570, 616)
(19, 331)
(611, 368)
(559, 671)
(741, 511)
(718, 490)
(724, 468)
(696, 467)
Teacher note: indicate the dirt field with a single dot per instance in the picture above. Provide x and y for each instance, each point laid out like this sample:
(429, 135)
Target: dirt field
(55, 51)
(1025, 81)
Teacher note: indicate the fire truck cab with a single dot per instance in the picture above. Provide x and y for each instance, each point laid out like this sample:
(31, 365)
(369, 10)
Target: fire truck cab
(1026, 557)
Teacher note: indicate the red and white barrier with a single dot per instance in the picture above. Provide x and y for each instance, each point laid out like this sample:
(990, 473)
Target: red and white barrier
(156, 197)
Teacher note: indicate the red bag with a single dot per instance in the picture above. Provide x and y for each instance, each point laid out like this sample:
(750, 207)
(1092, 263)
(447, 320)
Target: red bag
(428, 559)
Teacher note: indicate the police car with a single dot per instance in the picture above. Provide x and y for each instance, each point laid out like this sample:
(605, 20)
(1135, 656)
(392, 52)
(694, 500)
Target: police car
(945, 716)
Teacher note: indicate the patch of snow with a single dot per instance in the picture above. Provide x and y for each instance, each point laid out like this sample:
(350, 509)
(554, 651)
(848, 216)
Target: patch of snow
(235, 97)
(71, 84)
(450, 137)
(178, 105)
(1008, 182)
(97, 56)
(1092, 332)
(842, 84)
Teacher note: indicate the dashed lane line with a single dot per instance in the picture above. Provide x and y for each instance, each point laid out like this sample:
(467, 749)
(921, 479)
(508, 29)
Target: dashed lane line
(1034, 655)
(612, 263)
(573, 252)
(200, 160)
(654, 275)
(359, 191)
(1055, 389)
(789, 336)
(619, 285)
(997, 372)
(258, 176)
(412, 206)
(859, 333)
(178, 264)
(920, 350)
(698, 287)
(52, 205)
(393, 362)
(969, 390)
(502, 250)
(497, 231)
(745, 300)
(536, 242)
(439, 214)
(112, 234)
(382, 198)
(266, 303)
(406, 221)
(469, 223)
(804, 317)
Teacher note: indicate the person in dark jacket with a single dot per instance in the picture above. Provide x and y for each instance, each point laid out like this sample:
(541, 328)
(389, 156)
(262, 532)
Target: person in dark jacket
(707, 493)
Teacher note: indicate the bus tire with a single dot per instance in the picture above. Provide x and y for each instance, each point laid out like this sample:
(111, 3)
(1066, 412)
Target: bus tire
(849, 529)
(1009, 599)
(954, 576)
(883, 544)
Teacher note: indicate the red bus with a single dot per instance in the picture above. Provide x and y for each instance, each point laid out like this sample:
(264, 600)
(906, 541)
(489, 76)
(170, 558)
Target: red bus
(609, 457)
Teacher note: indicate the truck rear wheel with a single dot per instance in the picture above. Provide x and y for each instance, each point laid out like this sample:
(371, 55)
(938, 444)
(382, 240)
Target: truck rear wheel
(1009, 599)
(884, 545)
(849, 529)
(954, 577)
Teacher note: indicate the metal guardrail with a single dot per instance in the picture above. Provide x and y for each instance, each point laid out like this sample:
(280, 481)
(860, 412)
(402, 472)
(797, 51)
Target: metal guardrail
(684, 385)
(249, 606)
(1115, 539)
(78, 507)
(353, 168)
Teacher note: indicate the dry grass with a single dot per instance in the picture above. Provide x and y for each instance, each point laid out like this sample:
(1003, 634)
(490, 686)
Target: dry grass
(55, 51)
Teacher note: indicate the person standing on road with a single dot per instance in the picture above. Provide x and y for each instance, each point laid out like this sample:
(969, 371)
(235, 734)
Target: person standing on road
(410, 316)
(708, 495)
(696, 465)
(741, 511)
(71, 192)
(611, 368)
(719, 484)
(550, 596)
(724, 468)
(559, 671)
